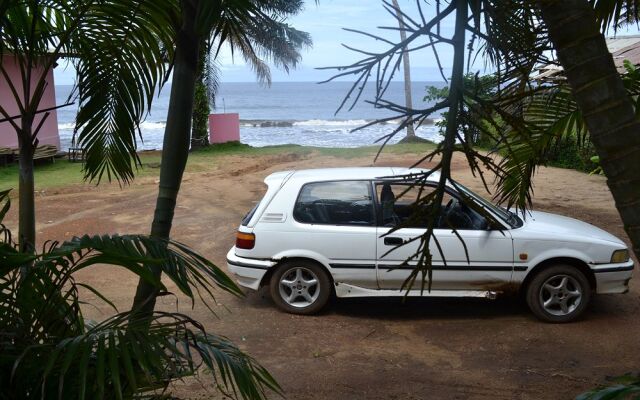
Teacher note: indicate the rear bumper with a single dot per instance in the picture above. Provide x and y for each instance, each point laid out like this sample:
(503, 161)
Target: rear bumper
(247, 271)
(613, 278)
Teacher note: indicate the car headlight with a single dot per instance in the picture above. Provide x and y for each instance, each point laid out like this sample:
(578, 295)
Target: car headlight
(620, 256)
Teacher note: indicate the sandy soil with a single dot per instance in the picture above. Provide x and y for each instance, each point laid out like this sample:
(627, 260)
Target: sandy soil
(369, 349)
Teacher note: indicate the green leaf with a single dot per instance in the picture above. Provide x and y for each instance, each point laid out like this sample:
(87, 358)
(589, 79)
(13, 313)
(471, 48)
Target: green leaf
(4, 198)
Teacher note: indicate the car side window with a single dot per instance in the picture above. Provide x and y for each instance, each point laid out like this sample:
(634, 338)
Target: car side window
(335, 203)
(397, 205)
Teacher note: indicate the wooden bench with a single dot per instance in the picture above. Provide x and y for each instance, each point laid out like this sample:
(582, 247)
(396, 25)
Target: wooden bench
(7, 156)
(76, 154)
(45, 152)
(48, 151)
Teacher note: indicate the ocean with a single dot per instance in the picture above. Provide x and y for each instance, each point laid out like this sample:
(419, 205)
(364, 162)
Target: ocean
(301, 113)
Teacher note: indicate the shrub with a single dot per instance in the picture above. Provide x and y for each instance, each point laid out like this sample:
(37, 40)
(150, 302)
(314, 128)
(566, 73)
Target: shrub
(570, 152)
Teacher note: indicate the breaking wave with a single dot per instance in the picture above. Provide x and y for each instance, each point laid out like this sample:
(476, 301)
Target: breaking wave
(280, 123)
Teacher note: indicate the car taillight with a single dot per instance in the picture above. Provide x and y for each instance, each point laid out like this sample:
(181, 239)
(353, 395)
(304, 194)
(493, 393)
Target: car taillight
(245, 240)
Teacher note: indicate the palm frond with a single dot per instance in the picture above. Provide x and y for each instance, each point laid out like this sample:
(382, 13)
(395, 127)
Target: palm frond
(5, 203)
(122, 47)
(614, 14)
(119, 50)
(625, 387)
(137, 253)
(257, 32)
(113, 359)
(48, 349)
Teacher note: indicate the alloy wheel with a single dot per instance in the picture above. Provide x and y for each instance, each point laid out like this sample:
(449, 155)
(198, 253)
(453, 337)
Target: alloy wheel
(299, 287)
(560, 295)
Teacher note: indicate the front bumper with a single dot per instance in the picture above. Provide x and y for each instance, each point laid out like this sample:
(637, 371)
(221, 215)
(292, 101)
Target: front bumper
(613, 278)
(247, 271)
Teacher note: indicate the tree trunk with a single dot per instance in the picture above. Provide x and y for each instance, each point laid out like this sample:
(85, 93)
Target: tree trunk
(456, 88)
(26, 201)
(406, 67)
(201, 109)
(175, 147)
(607, 109)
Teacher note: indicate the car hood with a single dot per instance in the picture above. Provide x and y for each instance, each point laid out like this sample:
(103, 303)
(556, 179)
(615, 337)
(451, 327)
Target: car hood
(558, 227)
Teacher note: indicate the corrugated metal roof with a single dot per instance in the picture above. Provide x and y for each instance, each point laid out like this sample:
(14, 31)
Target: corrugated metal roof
(621, 48)
(630, 52)
(620, 42)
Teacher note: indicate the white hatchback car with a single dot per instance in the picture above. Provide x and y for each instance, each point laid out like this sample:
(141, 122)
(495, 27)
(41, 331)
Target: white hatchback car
(318, 232)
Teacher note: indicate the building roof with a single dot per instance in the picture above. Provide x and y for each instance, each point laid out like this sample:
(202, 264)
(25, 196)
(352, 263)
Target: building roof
(621, 48)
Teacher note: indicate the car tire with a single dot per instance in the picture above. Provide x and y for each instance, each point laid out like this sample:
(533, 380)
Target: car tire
(558, 294)
(300, 287)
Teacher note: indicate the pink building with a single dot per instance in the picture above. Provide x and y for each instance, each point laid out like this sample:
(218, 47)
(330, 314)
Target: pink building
(224, 128)
(49, 132)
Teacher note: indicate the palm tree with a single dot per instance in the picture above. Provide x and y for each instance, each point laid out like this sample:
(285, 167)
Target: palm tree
(255, 29)
(49, 350)
(202, 99)
(120, 50)
(608, 112)
(117, 53)
(406, 68)
(283, 43)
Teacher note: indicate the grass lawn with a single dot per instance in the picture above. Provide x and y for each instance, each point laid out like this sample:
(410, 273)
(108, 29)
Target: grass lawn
(63, 173)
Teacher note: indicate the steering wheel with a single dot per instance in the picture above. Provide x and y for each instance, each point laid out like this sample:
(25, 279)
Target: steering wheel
(443, 217)
(450, 205)
(455, 214)
(465, 221)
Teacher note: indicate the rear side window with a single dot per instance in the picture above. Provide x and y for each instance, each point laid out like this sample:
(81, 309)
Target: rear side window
(335, 203)
(247, 218)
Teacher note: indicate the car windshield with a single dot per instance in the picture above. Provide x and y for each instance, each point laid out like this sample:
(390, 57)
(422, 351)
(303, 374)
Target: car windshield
(504, 214)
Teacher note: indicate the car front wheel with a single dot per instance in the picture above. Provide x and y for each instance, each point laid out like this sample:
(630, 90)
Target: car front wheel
(300, 287)
(559, 294)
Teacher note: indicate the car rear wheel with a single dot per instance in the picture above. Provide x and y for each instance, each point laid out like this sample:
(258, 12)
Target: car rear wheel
(300, 287)
(560, 293)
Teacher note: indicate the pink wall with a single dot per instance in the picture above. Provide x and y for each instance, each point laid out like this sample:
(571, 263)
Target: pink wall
(224, 128)
(49, 131)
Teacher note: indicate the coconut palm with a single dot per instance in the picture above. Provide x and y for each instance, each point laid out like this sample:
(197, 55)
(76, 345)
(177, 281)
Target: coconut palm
(256, 31)
(608, 112)
(283, 47)
(203, 98)
(48, 349)
(120, 50)
(406, 68)
(116, 48)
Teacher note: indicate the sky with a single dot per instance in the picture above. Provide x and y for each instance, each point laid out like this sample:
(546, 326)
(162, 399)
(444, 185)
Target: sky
(325, 22)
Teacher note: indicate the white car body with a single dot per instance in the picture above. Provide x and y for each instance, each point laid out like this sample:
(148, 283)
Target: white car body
(360, 265)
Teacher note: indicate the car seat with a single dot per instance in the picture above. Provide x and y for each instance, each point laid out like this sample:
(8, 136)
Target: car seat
(388, 201)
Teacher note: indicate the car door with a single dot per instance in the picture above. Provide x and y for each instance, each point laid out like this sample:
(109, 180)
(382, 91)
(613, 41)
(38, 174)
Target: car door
(490, 263)
(335, 222)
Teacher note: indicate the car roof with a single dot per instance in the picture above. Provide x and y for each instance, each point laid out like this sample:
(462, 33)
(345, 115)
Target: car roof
(356, 173)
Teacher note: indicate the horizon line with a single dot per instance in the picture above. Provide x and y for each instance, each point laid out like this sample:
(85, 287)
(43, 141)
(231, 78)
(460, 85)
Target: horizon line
(316, 82)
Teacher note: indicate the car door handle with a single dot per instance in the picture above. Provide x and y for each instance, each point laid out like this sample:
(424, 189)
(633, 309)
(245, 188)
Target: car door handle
(393, 241)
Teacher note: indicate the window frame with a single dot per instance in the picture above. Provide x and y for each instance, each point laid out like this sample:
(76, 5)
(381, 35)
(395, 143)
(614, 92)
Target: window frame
(372, 195)
(453, 193)
(247, 218)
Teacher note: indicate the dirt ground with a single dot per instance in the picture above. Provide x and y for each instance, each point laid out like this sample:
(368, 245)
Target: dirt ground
(375, 348)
